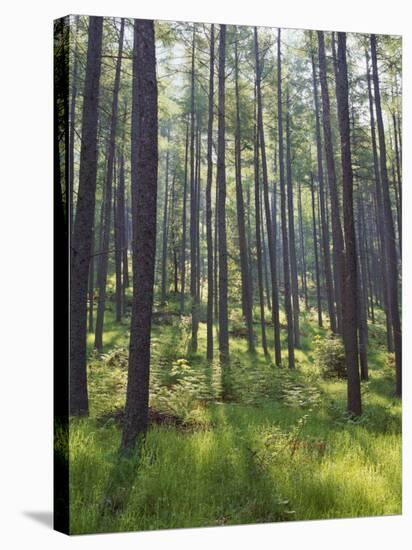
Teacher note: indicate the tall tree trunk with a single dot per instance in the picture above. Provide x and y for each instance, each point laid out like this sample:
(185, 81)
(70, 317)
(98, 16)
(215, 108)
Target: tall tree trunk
(184, 224)
(83, 224)
(246, 290)
(259, 240)
(104, 258)
(292, 245)
(193, 202)
(350, 297)
(390, 242)
(117, 249)
(73, 126)
(286, 271)
(380, 217)
(165, 227)
(221, 182)
(302, 248)
(144, 159)
(272, 251)
(315, 248)
(324, 229)
(338, 244)
(209, 235)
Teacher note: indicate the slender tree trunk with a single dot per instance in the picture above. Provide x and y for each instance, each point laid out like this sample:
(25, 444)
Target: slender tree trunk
(165, 227)
(221, 182)
(102, 275)
(246, 290)
(286, 270)
(325, 233)
(118, 249)
(338, 244)
(144, 159)
(272, 251)
(91, 288)
(184, 224)
(380, 217)
(390, 242)
(302, 248)
(350, 296)
(209, 236)
(73, 126)
(83, 224)
(193, 202)
(315, 248)
(292, 245)
(259, 241)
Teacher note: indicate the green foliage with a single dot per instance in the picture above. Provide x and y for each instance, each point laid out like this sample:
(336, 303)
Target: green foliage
(330, 356)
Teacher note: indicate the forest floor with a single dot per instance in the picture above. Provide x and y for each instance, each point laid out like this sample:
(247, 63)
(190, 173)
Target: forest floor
(278, 447)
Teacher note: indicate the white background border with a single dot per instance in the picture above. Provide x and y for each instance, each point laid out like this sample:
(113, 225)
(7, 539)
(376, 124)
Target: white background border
(26, 272)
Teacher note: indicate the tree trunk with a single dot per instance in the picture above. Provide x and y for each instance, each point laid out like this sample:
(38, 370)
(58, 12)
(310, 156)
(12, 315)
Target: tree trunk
(73, 126)
(390, 242)
(246, 290)
(324, 229)
(209, 236)
(184, 224)
(165, 227)
(350, 296)
(292, 245)
(104, 258)
(338, 244)
(221, 182)
(144, 159)
(302, 248)
(83, 224)
(272, 251)
(286, 271)
(315, 248)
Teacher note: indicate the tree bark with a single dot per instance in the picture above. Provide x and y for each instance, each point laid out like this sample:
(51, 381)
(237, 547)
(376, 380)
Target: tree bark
(286, 270)
(221, 182)
(209, 235)
(246, 290)
(350, 295)
(338, 244)
(315, 248)
(324, 229)
(272, 251)
(144, 159)
(104, 259)
(83, 224)
(165, 227)
(390, 242)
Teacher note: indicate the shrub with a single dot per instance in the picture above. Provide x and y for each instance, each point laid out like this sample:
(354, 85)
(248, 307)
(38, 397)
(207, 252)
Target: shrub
(330, 356)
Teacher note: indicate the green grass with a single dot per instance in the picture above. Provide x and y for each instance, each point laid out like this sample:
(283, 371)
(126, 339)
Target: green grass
(278, 448)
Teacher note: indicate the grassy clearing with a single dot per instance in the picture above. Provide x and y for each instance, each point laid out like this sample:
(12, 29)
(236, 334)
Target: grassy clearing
(279, 448)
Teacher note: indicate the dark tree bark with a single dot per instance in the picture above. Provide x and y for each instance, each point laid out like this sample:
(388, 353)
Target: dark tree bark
(379, 213)
(91, 288)
(324, 229)
(390, 242)
(73, 125)
(302, 248)
(259, 241)
(272, 251)
(362, 293)
(350, 295)
(246, 290)
(315, 249)
(221, 182)
(292, 245)
(398, 182)
(184, 224)
(193, 203)
(144, 159)
(286, 270)
(104, 258)
(209, 236)
(338, 244)
(117, 249)
(83, 224)
(165, 227)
